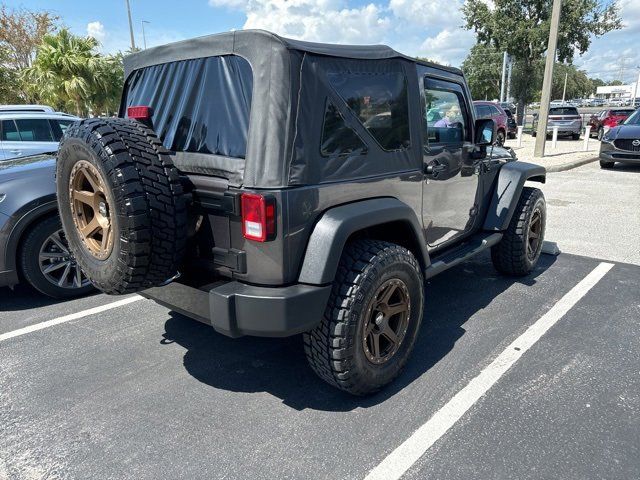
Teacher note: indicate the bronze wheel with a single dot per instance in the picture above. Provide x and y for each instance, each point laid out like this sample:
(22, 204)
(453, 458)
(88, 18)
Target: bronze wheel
(534, 236)
(386, 321)
(90, 209)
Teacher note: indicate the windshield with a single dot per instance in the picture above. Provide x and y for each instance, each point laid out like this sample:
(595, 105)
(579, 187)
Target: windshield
(633, 119)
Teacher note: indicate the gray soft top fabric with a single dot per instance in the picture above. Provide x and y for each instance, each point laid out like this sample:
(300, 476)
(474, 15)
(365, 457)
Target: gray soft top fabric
(285, 96)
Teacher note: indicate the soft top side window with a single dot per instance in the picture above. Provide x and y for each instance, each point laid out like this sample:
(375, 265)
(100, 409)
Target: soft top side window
(338, 138)
(380, 101)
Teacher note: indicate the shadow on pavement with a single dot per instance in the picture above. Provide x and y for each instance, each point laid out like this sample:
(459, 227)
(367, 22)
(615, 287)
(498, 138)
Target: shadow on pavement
(23, 297)
(279, 367)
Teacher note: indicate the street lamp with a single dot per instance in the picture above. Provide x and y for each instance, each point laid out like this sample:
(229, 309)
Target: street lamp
(144, 37)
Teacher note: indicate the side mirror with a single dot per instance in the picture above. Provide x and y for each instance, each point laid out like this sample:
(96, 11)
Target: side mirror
(485, 132)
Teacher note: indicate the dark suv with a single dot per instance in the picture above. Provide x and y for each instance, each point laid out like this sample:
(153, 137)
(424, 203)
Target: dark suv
(271, 187)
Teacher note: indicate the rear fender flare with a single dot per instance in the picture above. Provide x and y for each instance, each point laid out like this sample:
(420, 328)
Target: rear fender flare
(509, 187)
(332, 231)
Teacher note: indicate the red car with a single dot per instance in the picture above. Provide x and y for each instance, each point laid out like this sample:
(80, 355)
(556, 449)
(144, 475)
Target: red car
(605, 120)
(497, 114)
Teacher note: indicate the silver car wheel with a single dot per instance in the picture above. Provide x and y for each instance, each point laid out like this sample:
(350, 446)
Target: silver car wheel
(58, 265)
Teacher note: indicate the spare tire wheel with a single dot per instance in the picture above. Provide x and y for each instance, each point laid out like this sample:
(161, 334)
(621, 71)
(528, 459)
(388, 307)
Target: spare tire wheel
(122, 204)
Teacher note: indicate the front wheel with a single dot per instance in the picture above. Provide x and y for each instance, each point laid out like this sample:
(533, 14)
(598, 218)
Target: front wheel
(606, 165)
(48, 265)
(519, 250)
(372, 319)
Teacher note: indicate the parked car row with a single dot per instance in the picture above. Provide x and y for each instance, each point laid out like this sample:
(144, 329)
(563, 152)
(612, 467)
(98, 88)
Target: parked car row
(621, 143)
(604, 120)
(30, 130)
(33, 247)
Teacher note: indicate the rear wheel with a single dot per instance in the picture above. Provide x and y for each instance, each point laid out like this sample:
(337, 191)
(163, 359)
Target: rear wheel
(575, 136)
(372, 319)
(519, 250)
(47, 263)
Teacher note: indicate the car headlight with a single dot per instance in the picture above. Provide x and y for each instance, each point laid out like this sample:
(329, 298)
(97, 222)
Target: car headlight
(606, 138)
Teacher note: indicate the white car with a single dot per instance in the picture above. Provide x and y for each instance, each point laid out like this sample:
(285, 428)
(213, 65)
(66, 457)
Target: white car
(30, 129)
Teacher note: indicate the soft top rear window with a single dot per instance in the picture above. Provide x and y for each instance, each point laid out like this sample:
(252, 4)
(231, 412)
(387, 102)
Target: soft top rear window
(200, 105)
(563, 111)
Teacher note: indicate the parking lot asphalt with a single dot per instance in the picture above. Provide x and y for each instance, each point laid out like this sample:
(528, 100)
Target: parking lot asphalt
(140, 392)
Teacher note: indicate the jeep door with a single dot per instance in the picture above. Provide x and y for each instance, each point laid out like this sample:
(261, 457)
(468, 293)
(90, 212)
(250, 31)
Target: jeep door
(451, 174)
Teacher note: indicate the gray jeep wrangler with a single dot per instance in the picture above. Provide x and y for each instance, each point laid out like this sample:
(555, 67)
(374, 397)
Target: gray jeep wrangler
(273, 187)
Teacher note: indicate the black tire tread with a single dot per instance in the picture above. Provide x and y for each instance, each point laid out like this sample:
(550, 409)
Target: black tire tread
(509, 256)
(150, 194)
(327, 346)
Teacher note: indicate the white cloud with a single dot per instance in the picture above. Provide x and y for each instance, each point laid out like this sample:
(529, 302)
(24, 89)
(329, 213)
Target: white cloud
(449, 46)
(96, 30)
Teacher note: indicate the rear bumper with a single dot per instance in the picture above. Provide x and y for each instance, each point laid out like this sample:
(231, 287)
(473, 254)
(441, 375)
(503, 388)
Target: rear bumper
(236, 309)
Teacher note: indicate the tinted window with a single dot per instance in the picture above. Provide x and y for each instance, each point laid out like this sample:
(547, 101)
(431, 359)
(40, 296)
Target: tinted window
(445, 113)
(495, 111)
(563, 111)
(622, 112)
(337, 137)
(199, 105)
(633, 119)
(482, 111)
(380, 102)
(9, 131)
(64, 124)
(34, 130)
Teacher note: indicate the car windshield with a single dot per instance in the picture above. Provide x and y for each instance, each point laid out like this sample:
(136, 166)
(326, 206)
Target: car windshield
(633, 119)
(563, 111)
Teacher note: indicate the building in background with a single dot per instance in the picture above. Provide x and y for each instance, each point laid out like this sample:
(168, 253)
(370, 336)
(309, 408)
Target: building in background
(610, 92)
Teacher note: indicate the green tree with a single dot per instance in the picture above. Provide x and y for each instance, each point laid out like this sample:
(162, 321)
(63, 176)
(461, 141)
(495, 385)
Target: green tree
(578, 84)
(69, 74)
(483, 70)
(8, 80)
(521, 28)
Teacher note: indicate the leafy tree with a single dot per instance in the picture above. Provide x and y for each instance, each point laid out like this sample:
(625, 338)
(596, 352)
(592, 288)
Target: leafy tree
(69, 74)
(578, 84)
(521, 28)
(21, 31)
(483, 70)
(615, 83)
(8, 80)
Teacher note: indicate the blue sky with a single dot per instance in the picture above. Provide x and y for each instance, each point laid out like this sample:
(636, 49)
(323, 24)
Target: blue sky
(428, 28)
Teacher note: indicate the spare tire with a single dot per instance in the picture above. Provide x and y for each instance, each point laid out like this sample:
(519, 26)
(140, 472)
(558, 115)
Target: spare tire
(122, 204)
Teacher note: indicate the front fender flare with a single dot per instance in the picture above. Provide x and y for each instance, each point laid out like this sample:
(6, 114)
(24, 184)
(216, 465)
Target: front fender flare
(336, 225)
(509, 186)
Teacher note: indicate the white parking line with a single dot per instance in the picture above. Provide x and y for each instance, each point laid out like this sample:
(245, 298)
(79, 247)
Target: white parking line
(68, 318)
(409, 452)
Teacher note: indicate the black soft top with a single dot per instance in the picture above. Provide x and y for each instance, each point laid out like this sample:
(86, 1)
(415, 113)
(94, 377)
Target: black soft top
(289, 96)
(209, 45)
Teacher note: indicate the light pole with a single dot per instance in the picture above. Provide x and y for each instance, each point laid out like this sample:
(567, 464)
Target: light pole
(541, 133)
(133, 41)
(564, 90)
(504, 75)
(144, 37)
(635, 90)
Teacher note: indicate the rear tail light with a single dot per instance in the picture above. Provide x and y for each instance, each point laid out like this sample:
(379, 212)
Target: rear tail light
(258, 217)
(139, 112)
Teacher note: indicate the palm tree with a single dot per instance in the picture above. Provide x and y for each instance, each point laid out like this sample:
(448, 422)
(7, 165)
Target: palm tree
(69, 73)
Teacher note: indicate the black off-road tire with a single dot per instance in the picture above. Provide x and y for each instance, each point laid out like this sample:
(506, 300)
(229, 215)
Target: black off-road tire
(510, 256)
(30, 247)
(143, 187)
(606, 165)
(334, 348)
